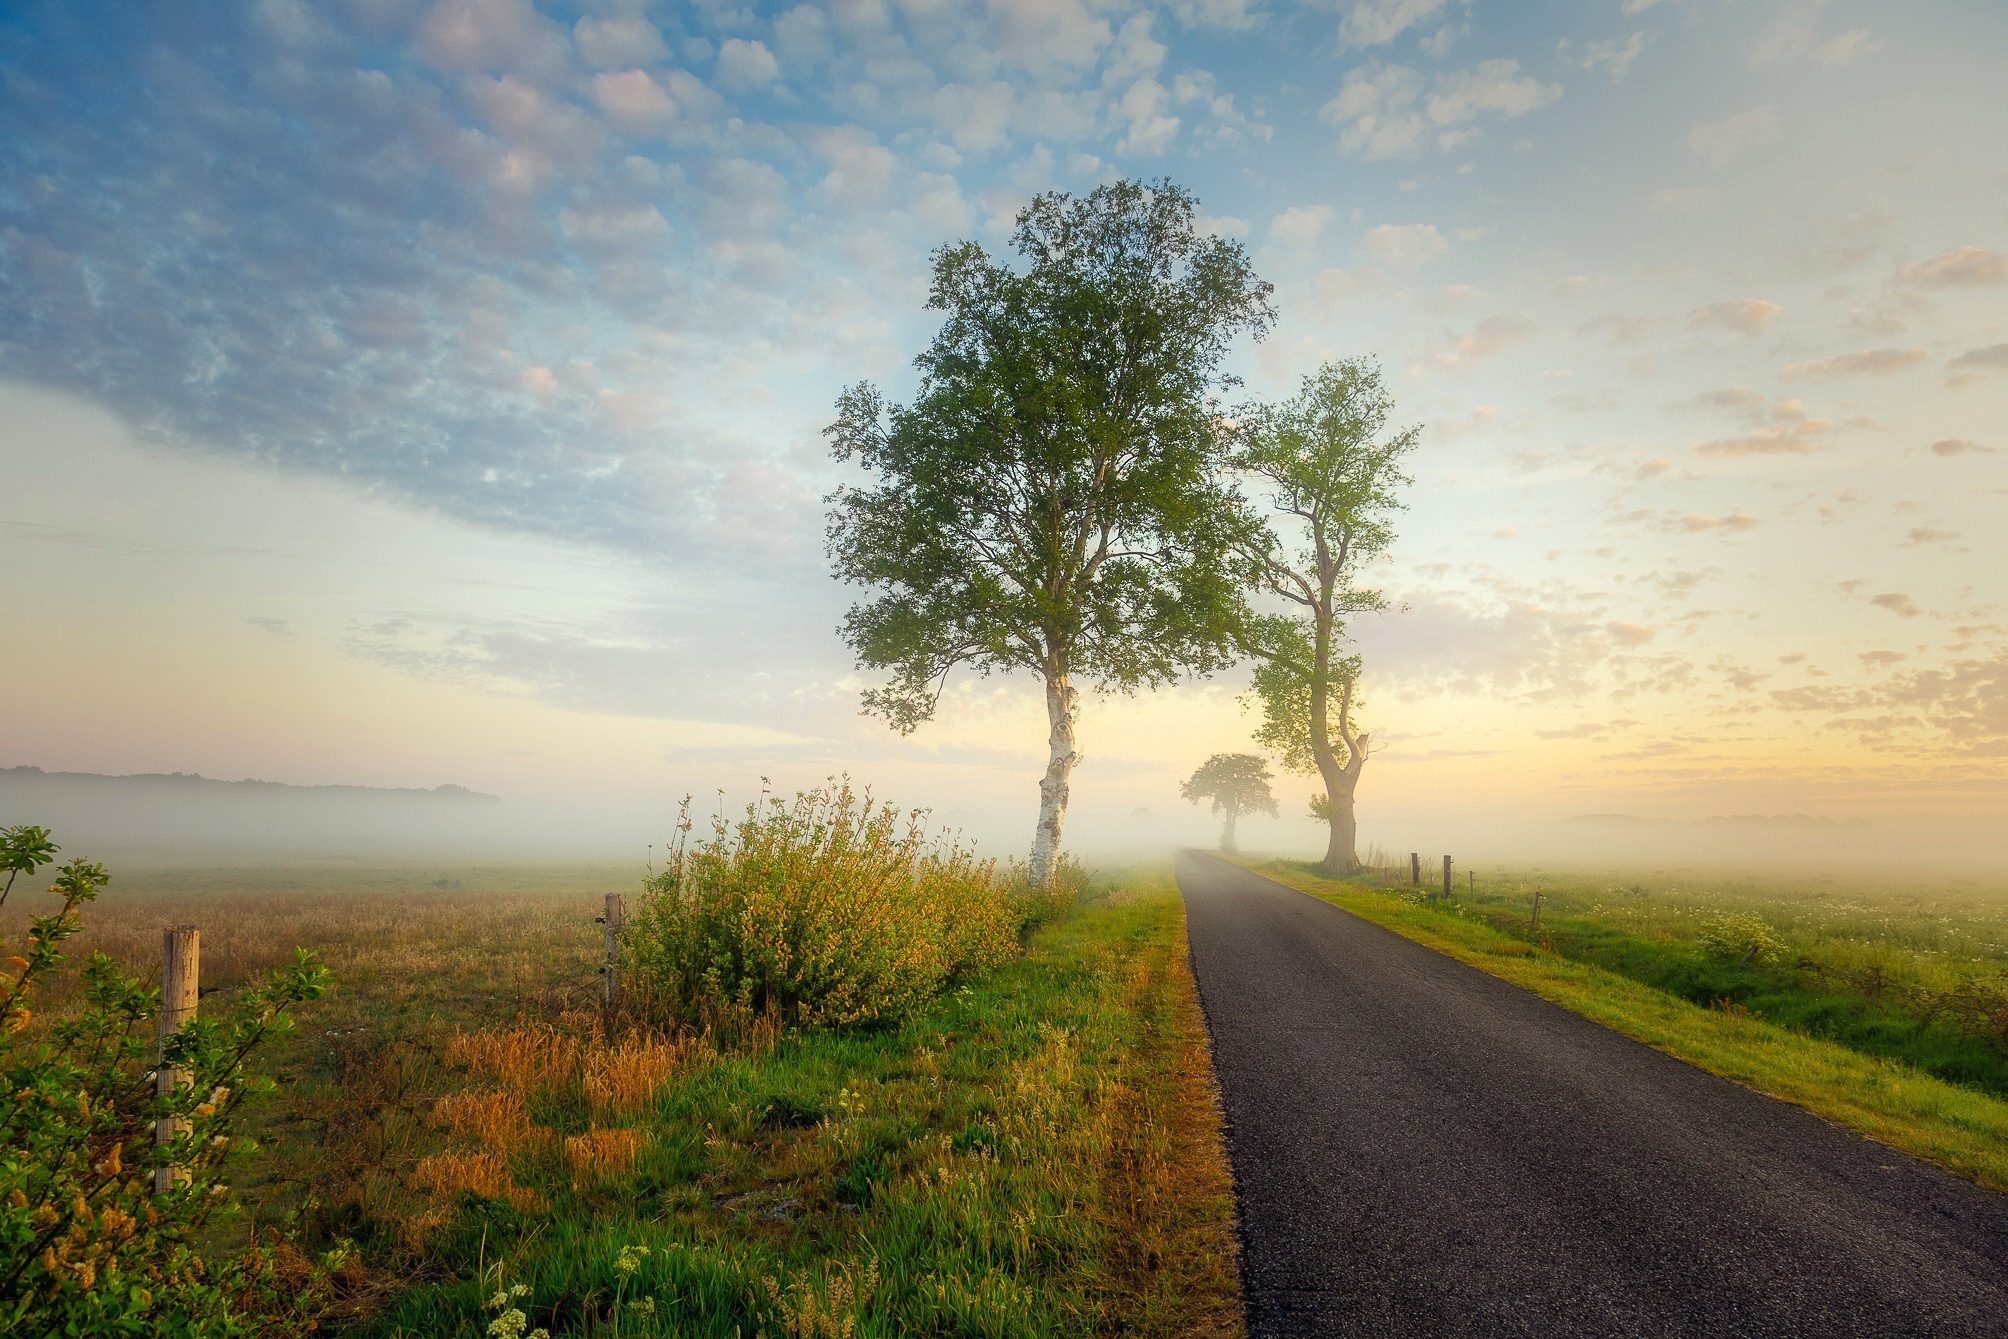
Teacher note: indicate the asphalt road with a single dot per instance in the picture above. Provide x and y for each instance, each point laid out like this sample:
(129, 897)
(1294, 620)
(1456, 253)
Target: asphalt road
(1421, 1149)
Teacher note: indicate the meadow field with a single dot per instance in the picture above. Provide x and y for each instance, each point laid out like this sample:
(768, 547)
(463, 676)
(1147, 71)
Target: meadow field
(465, 1140)
(1879, 1000)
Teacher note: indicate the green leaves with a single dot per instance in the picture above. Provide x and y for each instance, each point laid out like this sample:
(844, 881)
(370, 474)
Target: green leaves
(1052, 500)
(1235, 782)
(86, 1247)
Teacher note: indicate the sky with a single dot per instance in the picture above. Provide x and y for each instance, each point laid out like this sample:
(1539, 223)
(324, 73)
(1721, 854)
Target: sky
(398, 393)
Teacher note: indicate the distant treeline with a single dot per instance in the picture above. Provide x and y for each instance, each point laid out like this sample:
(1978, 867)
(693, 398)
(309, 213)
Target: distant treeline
(180, 811)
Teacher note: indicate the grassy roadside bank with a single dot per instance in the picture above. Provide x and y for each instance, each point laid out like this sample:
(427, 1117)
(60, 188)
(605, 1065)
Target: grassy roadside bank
(1883, 1099)
(1035, 1154)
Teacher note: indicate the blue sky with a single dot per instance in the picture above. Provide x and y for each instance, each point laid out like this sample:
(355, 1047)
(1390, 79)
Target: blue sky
(1701, 306)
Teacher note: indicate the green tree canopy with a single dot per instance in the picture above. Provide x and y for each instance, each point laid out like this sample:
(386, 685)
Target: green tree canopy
(1334, 483)
(1237, 783)
(1052, 501)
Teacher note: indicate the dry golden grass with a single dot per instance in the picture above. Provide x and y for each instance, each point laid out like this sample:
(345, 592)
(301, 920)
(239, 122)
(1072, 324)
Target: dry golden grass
(478, 1173)
(496, 1120)
(604, 1152)
(619, 1077)
(625, 1076)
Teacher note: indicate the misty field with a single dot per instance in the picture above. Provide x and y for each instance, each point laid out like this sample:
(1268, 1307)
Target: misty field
(1879, 1001)
(467, 1139)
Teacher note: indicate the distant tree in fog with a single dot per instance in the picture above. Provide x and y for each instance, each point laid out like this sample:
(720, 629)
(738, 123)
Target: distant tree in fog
(1237, 783)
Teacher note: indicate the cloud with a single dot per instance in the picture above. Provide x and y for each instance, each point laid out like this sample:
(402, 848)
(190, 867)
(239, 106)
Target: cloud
(1145, 106)
(1404, 246)
(1747, 316)
(1795, 36)
(1614, 56)
(618, 43)
(1228, 15)
(1968, 267)
(1491, 337)
(1779, 427)
(1513, 645)
(1925, 534)
(1300, 226)
(1871, 362)
(1629, 634)
(1957, 446)
(1049, 37)
(1963, 703)
(1736, 522)
(1382, 111)
(746, 65)
(1378, 22)
(1970, 366)
(1897, 603)
(1717, 142)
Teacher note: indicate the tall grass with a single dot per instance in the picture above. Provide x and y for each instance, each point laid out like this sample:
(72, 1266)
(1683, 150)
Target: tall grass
(1909, 974)
(832, 909)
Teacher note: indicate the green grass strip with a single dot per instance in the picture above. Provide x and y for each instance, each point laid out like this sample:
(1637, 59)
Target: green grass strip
(1885, 1100)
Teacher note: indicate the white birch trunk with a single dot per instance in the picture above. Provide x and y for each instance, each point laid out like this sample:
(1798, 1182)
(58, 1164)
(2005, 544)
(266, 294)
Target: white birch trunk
(1062, 706)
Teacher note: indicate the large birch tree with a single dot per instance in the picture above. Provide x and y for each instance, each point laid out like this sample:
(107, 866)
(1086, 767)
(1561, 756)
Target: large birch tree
(1053, 499)
(1333, 475)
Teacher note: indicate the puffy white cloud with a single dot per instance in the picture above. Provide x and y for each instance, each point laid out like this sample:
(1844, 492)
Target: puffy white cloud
(1968, 267)
(1748, 316)
(1378, 22)
(1382, 111)
(1048, 36)
(862, 171)
(746, 65)
(471, 35)
(1613, 56)
(1300, 226)
(975, 117)
(645, 104)
(1145, 106)
(1717, 142)
(618, 42)
(1493, 88)
(1135, 53)
(1404, 246)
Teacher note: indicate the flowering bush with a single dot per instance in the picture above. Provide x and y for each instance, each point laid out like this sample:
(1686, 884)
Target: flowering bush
(833, 909)
(86, 1246)
(1744, 938)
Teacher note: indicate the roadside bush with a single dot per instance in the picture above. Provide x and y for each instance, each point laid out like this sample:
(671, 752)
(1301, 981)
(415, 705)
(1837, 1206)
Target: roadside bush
(832, 909)
(86, 1246)
(1742, 938)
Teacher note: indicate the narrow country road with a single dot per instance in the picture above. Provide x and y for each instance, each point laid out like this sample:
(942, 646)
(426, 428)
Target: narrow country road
(1421, 1149)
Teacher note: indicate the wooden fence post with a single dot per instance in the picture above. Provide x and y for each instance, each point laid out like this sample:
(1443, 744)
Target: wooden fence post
(1446, 878)
(614, 921)
(1415, 868)
(180, 978)
(1535, 925)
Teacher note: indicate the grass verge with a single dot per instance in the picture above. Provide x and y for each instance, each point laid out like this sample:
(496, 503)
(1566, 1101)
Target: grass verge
(1036, 1153)
(1883, 1099)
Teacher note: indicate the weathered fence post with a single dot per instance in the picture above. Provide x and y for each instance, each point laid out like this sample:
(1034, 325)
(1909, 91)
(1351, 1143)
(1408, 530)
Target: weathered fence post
(614, 920)
(1415, 868)
(180, 978)
(1446, 878)
(1535, 924)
